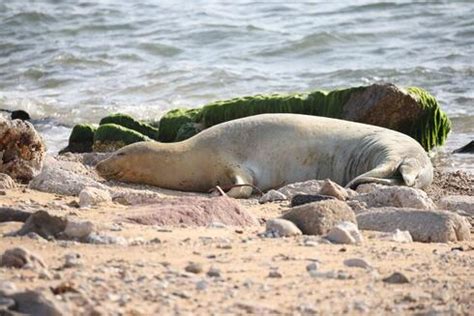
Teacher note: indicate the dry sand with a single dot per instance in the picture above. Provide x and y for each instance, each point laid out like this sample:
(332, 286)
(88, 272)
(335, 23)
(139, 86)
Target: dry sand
(250, 274)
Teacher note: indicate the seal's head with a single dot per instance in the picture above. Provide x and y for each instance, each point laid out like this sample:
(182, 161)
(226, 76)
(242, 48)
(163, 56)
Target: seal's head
(127, 164)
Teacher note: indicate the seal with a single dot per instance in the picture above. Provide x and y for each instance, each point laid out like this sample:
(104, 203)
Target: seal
(271, 150)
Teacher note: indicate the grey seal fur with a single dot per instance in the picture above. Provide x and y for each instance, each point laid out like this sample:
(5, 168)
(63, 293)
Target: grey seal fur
(271, 150)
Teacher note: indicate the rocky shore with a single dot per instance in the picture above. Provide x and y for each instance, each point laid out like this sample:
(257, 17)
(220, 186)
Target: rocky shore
(74, 245)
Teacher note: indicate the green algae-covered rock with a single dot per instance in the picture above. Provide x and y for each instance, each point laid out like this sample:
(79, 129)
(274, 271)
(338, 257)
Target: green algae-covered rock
(171, 122)
(110, 137)
(81, 139)
(188, 130)
(131, 123)
(413, 111)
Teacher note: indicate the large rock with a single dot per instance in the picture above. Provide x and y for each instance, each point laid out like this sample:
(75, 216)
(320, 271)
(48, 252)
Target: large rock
(423, 225)
(32, 302)
(64, 177)
(21, 150)
(303, 188)
(193, 211)
(463, 203)
(396, 196)
(319, 217)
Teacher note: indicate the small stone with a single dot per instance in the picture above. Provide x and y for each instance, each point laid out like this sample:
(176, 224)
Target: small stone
(194, 267)
(72, 260)
(333, 189)
(319, 218)
(100, 239)
(281, 228)
(20, 258)
(217, 225)
(345, 233)
(78, 230)
(272, 196)
(274, 274)
(396, 278)
(313, 266)
(214, 272)
(92, 196)
(358, 263)
(201, 285)
(401, 236)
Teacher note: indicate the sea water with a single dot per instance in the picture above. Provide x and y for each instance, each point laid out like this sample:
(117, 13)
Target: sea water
(75, 61)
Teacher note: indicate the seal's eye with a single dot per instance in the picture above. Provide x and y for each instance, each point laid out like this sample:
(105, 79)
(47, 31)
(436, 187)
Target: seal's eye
(120, 154)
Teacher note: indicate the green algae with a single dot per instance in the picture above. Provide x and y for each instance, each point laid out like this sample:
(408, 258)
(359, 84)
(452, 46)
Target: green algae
(434, 125)
(131, 123)
(107, 133)
(171, 122)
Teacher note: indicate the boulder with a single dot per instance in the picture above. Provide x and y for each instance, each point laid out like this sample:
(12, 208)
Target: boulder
(42, 223)
(463, 203)
(33, 302)
(423, 225)
(311, 187)
(301, 199)
(21, 150)
(63, 177)
(466, 149)
(319, 217)
(193, 211)
(396, 196)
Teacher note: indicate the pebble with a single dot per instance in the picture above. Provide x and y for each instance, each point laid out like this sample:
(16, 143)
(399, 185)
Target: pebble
(313, 266)
(400, 236)
(272, 196)
(100, 239)
(194, 267)
(201, 285)
(214, 272)
(358, 263)
(396, 278)
(278, 227)
(275, 274)
(72, 260)
(217, 225)
(345, 233)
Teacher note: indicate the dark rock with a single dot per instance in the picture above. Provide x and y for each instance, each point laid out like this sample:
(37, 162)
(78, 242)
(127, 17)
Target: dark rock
(20, 258)
(466, 149)
(301, 199)
(396, 278)
(46, 225)
(33, 303)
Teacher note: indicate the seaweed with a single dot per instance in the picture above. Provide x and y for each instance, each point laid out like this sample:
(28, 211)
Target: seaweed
(131, 123)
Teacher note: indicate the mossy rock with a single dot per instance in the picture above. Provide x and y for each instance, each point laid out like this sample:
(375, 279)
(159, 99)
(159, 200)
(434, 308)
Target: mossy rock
(188, 130)
(131, 123)
(81, 139)
(413, 112)
(171, 122)
(110, 137)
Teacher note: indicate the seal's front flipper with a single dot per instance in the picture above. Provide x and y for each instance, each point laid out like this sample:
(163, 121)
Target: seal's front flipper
(416, 174)
(243, 188)
(384, 174)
